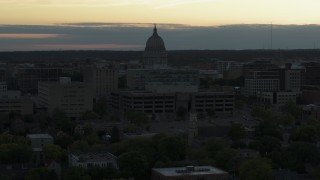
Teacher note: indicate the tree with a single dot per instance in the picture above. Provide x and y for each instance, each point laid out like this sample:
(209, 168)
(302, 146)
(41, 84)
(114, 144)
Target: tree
(300, 153)
(214, 145)
(40, 174)
(53, 152)
(225, 157)
(76, 173)
(305, 133)
(292, 108)
(133, 164)
(115, 134)
(237, 132)
(64, 140)
(181, 112)
(136, 117)
(268, 128)
(90, 115)
(62, 121)
(15, 153)
(43, 119)
(80, 146)
(268, 144)
(173, 148)
(256, 169)
(103, 173)
(239, 104)
(100, 107)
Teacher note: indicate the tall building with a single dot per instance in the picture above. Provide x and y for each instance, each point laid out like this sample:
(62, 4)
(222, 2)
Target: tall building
(74, 98)
(261, 81)
(193, 122)
(155, 54)
(102, 79)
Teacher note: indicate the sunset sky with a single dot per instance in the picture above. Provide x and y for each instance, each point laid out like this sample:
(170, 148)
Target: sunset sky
(76, 24)
(192, 12)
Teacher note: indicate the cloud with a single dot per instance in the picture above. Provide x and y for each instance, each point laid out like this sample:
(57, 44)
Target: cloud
(132, 36)
(151, 3)
(29, 36)
(87, 46)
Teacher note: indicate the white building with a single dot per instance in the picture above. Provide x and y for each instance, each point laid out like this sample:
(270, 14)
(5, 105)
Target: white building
(89, 160)
(74, 98)
(155, 54)
(262, 81)
(38, 141)
(189, 173)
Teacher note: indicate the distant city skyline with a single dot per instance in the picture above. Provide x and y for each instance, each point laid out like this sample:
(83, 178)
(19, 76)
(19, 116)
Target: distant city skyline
(132, 36)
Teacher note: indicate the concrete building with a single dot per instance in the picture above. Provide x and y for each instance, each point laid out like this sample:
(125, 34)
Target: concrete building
(74, 98)
(278, 98)
(155, 54)
(38, 141)
(101, 78)
(310, 111)
(312, 73)
(30, 75)
(259, 65)
(163, 80)
(12, 101)
(262, 81)
(220, 101)
(90, 160)
(189, 173)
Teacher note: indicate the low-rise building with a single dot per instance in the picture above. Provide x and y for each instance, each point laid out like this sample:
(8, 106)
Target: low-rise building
(278, 98)
(89, 160)
(163, 80)
(218, 101)
(12, 101)
(189, 173)
(38, 141)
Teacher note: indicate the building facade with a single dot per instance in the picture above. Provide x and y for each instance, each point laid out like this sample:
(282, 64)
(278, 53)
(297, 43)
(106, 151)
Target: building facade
(163, 80)
(155, 54)
(220, 102)
(102, 79)
(90, 160)
(74, 98)
(189, 173)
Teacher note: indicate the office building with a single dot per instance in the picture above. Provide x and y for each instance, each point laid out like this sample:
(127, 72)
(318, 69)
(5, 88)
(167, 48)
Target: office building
(74, 98)
(219, 101)
(13, 101)
(101, 78)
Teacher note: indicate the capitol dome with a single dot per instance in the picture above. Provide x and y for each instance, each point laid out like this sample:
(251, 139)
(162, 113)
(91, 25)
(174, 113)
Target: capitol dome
(155, 42)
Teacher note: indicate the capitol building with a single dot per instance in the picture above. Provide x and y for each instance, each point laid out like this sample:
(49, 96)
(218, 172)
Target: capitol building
(158, 89)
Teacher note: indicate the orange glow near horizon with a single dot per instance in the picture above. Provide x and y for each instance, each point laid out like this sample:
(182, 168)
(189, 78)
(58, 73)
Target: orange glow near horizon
(192, 12)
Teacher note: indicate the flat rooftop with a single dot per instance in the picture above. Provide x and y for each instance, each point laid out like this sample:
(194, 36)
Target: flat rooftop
(198, 170)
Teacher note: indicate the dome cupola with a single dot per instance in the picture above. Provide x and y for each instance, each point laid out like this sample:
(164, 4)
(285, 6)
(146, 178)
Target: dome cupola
(155, 42)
